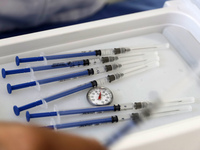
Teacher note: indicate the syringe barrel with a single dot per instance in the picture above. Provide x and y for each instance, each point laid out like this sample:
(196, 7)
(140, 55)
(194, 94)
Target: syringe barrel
(61, 65)
(102, 81)
(82, 123)
(62, 56)
(51, 57)
(64, 77)
(106, 52)
(87, 110)
(99, 70)
(126, 106)
(70, 91)
(94, 61)
(115, 51)
(124, 117)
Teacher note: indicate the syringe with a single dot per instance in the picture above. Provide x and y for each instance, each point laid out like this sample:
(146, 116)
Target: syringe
(116, 107)
(87, 72)
(103, 52)
(94, 83)
(117, 118)
(138, 118)
(84, 62)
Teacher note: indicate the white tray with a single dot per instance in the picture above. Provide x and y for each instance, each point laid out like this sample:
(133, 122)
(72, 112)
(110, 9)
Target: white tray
(152, 27)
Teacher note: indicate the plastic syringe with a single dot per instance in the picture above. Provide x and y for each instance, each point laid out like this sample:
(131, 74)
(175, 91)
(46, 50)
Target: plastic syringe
(103, 52)
(138, 118)
(84, 62)
(116, 107)
(117, 118)
(94, 83)
(87, 72)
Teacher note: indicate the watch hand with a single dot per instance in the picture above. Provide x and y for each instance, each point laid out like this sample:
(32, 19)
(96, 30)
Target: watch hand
(99, 98)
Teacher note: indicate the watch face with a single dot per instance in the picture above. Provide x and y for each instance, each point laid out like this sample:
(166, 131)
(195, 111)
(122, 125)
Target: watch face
(99, 96)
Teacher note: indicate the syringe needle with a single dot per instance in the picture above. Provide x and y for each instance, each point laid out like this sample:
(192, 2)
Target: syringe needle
(98, 82)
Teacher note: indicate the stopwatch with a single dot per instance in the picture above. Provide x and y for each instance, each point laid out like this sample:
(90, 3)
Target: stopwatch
(100, 96)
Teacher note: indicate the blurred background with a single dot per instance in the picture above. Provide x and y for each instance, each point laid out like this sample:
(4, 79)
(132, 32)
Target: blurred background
(18, 17)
